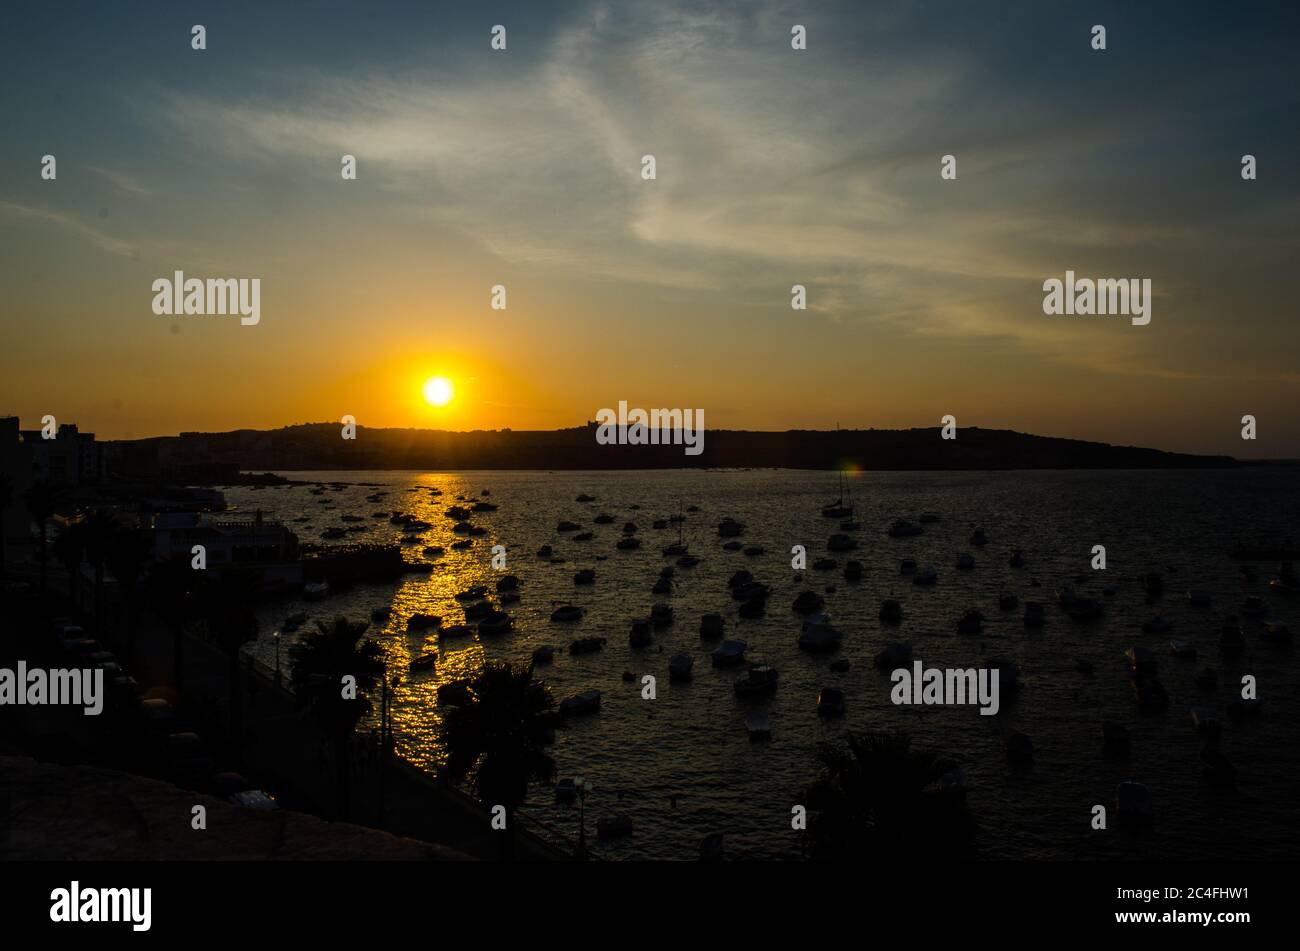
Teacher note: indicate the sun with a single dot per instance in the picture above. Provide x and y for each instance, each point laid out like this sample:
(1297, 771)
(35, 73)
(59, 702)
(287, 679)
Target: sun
(438, 391)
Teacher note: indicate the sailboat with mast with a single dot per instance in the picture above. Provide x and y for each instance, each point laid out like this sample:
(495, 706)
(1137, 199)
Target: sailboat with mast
(679, 547)
(838, 508)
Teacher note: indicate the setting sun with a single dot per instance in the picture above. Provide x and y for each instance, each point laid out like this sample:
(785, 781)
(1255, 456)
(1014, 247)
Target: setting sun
(438, 391)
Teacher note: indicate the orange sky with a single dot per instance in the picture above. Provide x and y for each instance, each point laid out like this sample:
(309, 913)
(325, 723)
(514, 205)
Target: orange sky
(773, 168)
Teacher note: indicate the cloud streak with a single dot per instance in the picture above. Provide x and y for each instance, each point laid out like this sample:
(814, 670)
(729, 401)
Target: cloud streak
(71, 225)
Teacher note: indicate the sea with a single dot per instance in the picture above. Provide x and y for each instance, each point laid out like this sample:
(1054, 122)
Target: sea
(682, 766)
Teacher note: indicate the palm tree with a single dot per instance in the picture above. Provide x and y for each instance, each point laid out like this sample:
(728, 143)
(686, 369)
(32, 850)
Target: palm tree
(173, 588)
(232, 623)
(502, 730)
(70, 549)
(878, 795)
(6, 496)
(40, 500)
(128, 551)
(321, 661)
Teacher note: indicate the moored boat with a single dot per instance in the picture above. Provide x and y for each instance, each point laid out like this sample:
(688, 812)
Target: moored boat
(830, 702)
(729, 653)
(680, 666)
(586, 702)
(756, 682)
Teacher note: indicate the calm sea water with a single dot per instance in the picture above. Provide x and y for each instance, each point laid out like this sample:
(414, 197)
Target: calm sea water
(691, 741)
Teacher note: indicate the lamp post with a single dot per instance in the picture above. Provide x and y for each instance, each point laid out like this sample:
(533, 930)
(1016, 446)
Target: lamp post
(277, 658)
(583, 787)
(390, 686)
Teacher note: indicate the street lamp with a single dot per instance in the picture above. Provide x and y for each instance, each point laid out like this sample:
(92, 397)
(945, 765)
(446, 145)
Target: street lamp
(583, 787)
(277, 658)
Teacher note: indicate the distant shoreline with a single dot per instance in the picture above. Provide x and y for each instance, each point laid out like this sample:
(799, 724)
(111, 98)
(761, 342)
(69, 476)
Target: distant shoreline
(218, 457)
(1247, 464)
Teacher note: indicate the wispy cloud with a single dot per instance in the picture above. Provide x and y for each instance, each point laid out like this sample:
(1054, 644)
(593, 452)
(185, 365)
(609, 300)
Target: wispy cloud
(818, 167)
(120, 180)
(73, 225)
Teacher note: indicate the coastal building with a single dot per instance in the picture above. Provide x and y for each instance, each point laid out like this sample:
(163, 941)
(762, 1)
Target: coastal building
(268, 546)
(16, 472)
(71, 458)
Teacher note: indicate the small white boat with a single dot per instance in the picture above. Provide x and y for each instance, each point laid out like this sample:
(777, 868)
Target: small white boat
(316, 590)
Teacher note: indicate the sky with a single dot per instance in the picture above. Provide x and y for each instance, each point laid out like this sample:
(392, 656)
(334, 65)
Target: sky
(774, 167)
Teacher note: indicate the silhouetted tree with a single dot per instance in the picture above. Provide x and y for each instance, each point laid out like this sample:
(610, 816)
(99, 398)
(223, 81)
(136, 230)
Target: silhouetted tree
(99, 528)
(173, 591)
(499, 734)
(876, 794)
(40, 499)
(228, 609)
(128, 551)
(321, 661)
(70, 548)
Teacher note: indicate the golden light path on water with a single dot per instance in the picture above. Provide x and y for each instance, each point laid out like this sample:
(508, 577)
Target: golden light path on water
(414, 712)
